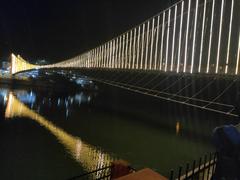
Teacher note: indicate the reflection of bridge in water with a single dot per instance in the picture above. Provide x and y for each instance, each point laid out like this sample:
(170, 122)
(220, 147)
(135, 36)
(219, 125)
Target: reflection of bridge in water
(199, 37)
(87, 155)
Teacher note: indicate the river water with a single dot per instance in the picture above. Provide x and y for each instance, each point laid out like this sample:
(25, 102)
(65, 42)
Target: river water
(57, 134)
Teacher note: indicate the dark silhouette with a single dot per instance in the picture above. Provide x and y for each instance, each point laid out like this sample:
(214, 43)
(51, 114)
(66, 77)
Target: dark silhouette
(227, 142)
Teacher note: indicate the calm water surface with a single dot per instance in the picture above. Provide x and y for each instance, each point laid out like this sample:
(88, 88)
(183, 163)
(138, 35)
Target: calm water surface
(56, 135)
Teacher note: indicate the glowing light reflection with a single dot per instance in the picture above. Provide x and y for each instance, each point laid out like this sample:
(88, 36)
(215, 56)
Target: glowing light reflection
(87, 155)
(177, 127)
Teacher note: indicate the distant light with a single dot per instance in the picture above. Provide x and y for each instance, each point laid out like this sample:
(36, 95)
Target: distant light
(177, 127)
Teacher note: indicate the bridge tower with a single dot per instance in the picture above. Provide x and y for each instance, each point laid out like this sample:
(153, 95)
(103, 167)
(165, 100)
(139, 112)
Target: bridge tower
(19, 64)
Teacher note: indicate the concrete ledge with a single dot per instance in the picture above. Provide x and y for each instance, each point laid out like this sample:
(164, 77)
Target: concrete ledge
(144, 174)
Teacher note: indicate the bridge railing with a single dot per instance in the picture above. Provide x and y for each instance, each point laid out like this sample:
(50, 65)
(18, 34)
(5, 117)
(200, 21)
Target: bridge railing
(193, 36)
(204, 168)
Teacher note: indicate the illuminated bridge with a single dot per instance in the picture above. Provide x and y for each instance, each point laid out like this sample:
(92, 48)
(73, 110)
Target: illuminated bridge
(19, 64)
(178, 55)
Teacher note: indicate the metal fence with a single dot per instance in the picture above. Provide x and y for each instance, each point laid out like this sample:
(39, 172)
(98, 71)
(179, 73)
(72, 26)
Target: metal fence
(105, 173)
(203, 169)
(193, 36)
(102, 173)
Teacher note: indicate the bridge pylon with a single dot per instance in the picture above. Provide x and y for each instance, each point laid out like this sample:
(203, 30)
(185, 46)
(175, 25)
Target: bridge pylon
(19, 64)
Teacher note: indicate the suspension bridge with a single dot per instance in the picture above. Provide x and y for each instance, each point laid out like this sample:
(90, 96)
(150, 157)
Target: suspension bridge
(189, 53)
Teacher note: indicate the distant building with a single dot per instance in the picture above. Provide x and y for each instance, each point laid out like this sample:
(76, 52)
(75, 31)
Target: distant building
(5, 65)
(41, 62)
(4, 68)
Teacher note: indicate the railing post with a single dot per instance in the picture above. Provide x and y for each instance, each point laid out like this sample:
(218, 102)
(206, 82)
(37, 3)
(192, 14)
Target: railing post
(187, 169)
(171, 175)
(209, 165)
(204, 166)
(193, 168)
(179, 172)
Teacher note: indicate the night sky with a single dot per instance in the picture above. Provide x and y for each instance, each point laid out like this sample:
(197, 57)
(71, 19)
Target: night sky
(57, 30)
